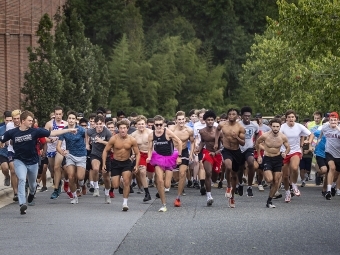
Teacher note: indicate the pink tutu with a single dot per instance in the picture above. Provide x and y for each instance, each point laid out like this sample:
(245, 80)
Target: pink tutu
(164, 162)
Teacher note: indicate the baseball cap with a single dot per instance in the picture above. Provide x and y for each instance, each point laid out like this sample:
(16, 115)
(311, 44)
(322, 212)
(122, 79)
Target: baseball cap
(258, 115)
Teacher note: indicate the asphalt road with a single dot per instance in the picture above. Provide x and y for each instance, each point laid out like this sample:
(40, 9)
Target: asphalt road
(308, 225)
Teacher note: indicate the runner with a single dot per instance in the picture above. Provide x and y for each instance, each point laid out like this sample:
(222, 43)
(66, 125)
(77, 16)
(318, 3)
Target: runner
(272, 142)
(4, 163)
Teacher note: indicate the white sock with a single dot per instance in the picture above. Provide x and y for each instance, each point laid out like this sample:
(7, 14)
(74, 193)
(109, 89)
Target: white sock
(81, 183)
(107, 192)
(208, 195)
(125, 201)
(329, 187)
(91, 183)
(96, 186)
(294, 185)
(65, 180)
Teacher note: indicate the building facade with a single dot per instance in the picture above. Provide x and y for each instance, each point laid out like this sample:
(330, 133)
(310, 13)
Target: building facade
(19, 21)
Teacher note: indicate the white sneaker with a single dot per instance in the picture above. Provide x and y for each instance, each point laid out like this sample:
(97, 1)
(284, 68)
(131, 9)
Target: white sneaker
(96, 193)
(74, 200)
(166, 190)
(163, 209)
(125, 207)
(107, 200)
(210, 201)
(288, 197)
(260, 187)
(338, 192)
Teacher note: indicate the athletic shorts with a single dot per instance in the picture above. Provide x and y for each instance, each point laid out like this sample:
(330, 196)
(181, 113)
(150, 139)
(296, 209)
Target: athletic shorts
(306, 164)
(75, 161)
(10, 156)
(273, 164)
(235, 156)
(88, 163)
(215, 161)
(51, 154)
(321, 161)
(286, 160)
(142, 162)
(329, 157)
(118, 167)
(246, 154)
(42, 161)
(185, 157)
(94, 157)
(3, 159)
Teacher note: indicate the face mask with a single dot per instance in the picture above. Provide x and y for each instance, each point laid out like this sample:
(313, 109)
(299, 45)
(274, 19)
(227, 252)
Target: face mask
(108, 115)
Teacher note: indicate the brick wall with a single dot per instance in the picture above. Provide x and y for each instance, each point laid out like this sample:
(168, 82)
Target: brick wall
(19, 21)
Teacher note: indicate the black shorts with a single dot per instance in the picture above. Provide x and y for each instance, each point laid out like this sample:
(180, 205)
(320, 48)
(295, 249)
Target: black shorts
(3, 159)
(329, 157)
(42, 161)
(88, 163)
(63, 163)
(306, 164)
(273, 164)
(118, 167)
(321, 161)
(246, 154)
(108, 161)
(235, 156)
(185, 157)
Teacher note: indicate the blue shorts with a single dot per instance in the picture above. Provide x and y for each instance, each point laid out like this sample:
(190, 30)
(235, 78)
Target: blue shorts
(51, 154)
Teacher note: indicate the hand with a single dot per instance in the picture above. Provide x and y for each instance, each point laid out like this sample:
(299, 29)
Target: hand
(212, 154)
(73, 130)
(179, 161)
(191, 158)
(104, 169)
(215, 146)
(136, 169)
(196, 151)
(148, 160)
(65, 152)
(283, 155)
(98, 140)
(259, 159)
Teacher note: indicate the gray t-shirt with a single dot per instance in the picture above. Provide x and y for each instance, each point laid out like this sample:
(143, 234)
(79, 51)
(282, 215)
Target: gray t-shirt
(97, 148)
(251, 129)
(332, 140)
(264, 128)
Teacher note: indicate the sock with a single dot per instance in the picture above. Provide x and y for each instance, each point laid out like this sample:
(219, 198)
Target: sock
(294, 185)
(269, 200)
(74, 194)
(81, 183)
(91, 183)
(146, 190)
(329, 187)
(125, 201)
(107, 192)
(202, 182)
(96, 186)
(208, 195)
(333, 185)
(66, 180)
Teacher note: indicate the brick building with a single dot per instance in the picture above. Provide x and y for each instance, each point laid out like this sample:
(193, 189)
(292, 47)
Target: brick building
(19, 21)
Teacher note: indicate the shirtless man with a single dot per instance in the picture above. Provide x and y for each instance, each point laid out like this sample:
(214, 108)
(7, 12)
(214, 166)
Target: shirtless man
(163, 157)
(54, 158)
(272, 161)
(212, 159)
(233, 136)
(185, 134)
(121, 165)
(142, 137)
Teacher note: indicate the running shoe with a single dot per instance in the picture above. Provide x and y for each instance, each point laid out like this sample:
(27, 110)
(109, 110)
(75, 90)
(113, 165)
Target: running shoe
(220, 185)
(240, 190)
(333, 192)
(55, 194)
(96, 193)
(131, 190)
(163, 209)
(228, 192)
(66, 186)
(43, 189)
(303, 184)
(328, 195)
(111, 194)
(196, 185)
(125, 207)
(270, 205)
(183, 193)
(277, 195)
(107, 199)
(157, 195)
(260, 187)
(151, 185)
(297, 192)
(30, 200)
(133, 184)
(189, 184)
(250, 192)
(7, 181)
(231, 202)
(177, 202)
(74, 200)
(91, 188)
(15, 198)
(338, 192)
(59, 188)
(147, 197)
(288, 197)
(323, 193)
(166, 190)
(210, 201)
(23, 209)
(140, 191)
(70, 194)
(203, 191)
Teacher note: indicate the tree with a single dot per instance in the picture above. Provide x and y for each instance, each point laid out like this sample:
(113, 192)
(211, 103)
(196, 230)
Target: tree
(43, 82)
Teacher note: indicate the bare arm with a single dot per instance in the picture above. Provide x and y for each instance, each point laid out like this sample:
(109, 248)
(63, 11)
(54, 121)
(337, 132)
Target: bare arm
(63, 131)
(192, 143)
(217, 135)
(260, 140)
(176, 139)
(136, 153)
(107, 148)
(241, 137)
(286, 144)
(150, 138)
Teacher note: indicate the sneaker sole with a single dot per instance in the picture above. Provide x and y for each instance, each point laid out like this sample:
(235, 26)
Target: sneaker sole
(210, 202)
(125, 209)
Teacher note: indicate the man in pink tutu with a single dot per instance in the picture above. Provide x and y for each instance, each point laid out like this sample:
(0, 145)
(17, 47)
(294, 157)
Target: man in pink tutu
(163, 156)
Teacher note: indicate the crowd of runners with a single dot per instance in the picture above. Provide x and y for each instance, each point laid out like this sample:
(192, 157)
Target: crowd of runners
(127, 153)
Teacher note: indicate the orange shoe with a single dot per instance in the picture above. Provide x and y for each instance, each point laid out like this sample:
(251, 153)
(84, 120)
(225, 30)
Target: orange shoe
(177, 202)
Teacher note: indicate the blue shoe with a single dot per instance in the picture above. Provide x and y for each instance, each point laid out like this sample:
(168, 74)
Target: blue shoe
(55, 194)
(59, 188)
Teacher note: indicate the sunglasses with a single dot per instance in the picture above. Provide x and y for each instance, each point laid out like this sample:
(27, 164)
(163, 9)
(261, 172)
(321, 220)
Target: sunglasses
(158, 125)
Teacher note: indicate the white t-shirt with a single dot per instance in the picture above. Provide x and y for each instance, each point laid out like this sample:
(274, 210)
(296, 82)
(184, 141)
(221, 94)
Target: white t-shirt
(9, 126)
(294, 134)
(251, 130)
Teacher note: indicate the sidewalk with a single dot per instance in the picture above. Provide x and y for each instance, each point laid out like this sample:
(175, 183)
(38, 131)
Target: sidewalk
(7, 191)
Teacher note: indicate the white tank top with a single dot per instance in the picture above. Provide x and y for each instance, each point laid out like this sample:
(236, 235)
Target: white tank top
(52, 147)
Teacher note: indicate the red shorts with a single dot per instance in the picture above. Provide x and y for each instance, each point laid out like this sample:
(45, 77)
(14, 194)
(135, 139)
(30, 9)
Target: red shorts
(286, 160)
(142, 162)
(256, 154)
(215, 161)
